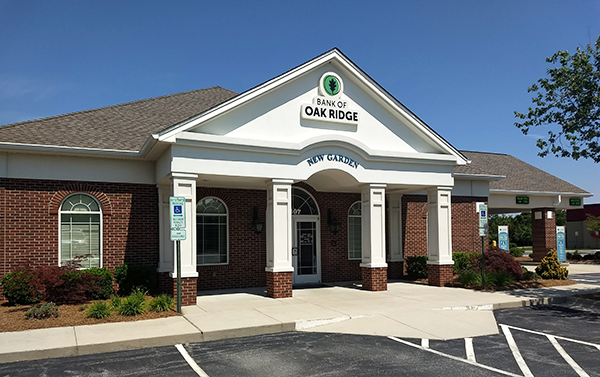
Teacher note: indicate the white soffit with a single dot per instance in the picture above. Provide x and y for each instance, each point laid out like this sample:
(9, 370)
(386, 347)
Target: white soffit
(408, 134)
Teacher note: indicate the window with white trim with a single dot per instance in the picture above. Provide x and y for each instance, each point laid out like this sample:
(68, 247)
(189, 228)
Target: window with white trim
(212, 232)
(81, 230)
(355, 231)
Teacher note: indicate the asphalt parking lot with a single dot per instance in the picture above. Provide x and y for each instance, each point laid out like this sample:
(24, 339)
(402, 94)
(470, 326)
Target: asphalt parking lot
(535, 341)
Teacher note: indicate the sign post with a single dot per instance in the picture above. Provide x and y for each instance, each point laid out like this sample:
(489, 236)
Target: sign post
(560, 244)
(177, 214)
(483, 232)
(503, 237)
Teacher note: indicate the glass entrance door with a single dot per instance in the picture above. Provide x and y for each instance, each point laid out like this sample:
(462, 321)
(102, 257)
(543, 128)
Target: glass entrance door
(305, 254)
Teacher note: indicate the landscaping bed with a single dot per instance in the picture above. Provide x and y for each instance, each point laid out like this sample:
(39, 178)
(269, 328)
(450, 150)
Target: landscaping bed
(12, 318)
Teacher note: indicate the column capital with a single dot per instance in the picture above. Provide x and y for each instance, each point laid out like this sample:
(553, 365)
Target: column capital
(179, 175)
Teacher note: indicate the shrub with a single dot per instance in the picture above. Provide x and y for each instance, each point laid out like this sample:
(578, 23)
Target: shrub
(569, 255)
(530, 275)
(162, 303)
(65, 285)
(497, 260)
(416, 266)
(512, 245)
(130, 277)
(104, 282)
(597, 254)
(134, 304)
(470, 278)
(19, 288)
(576, 255)
(517, 251)
(463, 261)
(98, 310)
(550, 267)
(43, 311)
(503, 278)
(115, 301)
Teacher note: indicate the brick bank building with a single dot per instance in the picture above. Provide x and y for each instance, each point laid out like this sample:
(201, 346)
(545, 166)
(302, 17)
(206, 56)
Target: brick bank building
(318, 175)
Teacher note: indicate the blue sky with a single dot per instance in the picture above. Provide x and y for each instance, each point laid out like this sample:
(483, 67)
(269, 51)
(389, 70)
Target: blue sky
(462, 66)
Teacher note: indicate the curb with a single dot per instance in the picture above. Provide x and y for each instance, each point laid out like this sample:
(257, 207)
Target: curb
(583, 302)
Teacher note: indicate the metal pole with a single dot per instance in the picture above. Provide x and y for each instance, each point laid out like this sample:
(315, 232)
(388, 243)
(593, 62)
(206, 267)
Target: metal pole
(483, 262)
(178, 276)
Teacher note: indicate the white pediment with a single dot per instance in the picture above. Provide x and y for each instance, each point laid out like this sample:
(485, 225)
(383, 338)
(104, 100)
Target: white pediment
(271, 113)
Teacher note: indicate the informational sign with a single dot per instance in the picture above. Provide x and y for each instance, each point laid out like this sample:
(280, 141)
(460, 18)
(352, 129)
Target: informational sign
(560, 244)
(329, 106)
(522, 199)
(503, 237)
(483, 219)
(575, 201)
(177, 215)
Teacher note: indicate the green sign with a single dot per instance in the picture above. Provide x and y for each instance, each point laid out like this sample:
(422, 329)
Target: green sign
(177, 213)
(575, 201)
(522, 199)
(483, 219)
(331, 85)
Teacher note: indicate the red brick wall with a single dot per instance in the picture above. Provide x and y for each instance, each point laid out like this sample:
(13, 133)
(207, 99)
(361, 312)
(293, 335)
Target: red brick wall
(543, 233)
(279, 284)
(465, 224)
(189, 288)
(29, 222)
(247, 250)
(439, 275)
(374, 279)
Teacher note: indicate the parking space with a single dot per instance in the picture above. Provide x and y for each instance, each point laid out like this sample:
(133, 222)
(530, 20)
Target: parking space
(534, 341)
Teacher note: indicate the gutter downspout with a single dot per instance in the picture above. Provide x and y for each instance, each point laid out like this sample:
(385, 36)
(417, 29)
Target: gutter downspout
(559, 198)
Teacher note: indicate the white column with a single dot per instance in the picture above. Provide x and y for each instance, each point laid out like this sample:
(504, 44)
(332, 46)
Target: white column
(373, 226)
(395, 228)
(439, 226)
(166, 251)
(183, 184)
(279, 226)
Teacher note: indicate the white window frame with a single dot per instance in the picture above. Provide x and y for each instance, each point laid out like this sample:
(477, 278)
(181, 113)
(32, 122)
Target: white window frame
(226, 229)
(354, 216)
(99, 212)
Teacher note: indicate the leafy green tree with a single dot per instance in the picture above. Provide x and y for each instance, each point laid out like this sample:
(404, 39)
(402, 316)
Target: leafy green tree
(592, 223)
(570, 99)
(561, 217)
(519, 228)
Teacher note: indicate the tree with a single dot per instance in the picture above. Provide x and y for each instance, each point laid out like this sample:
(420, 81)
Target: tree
(592, 223)
(519, 228)
(569, 98)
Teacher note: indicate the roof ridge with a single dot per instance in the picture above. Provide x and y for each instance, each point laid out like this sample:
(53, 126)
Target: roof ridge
(10, 125)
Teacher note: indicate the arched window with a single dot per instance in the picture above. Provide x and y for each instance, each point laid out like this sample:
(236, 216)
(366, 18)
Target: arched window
(81, 230)
(303, 203)
(355, 231)
(212, 232)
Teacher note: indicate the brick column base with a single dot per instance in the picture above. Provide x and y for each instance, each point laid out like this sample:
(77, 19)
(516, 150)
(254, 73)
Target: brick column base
(374, 279)
(395, 270)
(440, 275)
(279, 284)
(189, 288)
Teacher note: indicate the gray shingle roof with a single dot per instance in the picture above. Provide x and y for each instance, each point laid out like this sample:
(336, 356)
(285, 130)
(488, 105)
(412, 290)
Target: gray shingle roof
(122, 127)
(520, 176)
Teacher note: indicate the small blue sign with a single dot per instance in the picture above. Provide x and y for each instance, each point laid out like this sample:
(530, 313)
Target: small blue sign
(177, 210)
(560, 244)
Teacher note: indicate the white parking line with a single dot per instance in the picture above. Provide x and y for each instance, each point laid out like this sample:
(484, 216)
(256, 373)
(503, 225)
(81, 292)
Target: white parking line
(516, 353)
(454, 357)
(190, 361)
(425, 343)
(557, 337)
(470, 350)
(566, 356)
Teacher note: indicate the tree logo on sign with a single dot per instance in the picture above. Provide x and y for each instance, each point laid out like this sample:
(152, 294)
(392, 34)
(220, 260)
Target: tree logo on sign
(331, 85)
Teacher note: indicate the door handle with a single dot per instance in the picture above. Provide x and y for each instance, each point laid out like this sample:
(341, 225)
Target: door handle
(294, 251)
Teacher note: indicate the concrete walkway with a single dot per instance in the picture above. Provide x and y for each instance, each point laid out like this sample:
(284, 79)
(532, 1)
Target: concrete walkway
(404, 310)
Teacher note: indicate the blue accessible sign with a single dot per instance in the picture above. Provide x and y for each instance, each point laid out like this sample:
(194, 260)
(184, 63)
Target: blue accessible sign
(560, 244)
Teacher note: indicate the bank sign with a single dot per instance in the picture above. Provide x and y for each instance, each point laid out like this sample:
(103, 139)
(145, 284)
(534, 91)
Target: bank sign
(329, 106)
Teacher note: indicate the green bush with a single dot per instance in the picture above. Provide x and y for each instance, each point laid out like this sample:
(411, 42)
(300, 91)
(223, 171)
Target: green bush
(530, 275)
(162, 303)
(103, 280)
(115, 301)
(576, 255)
(503, 278)
(512, 245)
(550, 267)
(517, 251)
(416, 267)
(130, 277)
(464, 261)
(43, 311)
(134, 304)
(470, 278)
(98, 310)
(19, 288)
(569, 255)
